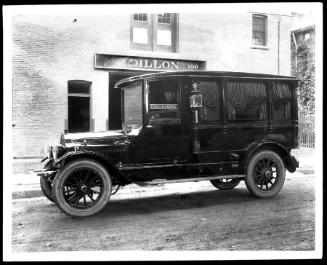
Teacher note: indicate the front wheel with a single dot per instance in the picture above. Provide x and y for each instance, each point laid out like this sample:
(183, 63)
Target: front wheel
(82, 188)
(225, 184)
(265, 174)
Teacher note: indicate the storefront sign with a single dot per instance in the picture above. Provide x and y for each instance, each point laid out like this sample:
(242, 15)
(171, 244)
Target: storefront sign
(104, 61)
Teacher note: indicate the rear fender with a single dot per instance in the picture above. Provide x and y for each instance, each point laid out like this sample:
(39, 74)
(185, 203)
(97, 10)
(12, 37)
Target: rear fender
(289, 161)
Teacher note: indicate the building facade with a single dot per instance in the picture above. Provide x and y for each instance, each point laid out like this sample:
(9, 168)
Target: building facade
(65, 67)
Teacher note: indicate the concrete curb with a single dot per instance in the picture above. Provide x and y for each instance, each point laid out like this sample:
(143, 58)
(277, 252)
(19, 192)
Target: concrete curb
(27, 194)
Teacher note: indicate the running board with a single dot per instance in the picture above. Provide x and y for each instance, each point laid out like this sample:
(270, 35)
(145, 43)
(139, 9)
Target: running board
(165, 181)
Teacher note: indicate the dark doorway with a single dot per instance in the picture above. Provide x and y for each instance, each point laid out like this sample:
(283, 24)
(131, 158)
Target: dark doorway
(78, 106)
(115, 119)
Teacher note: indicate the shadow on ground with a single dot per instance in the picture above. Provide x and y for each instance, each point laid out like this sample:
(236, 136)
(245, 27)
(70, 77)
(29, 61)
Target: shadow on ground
(171, 202)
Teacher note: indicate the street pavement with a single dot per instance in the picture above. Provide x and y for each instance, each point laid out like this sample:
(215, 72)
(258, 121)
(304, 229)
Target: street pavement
(180, 216)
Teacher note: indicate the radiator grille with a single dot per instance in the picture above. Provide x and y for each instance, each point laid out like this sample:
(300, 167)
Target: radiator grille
(114, 155)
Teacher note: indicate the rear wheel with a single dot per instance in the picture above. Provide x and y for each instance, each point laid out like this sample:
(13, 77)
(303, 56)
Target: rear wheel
(265, 174)
(46, 188)
(82, 188)
(225, 184)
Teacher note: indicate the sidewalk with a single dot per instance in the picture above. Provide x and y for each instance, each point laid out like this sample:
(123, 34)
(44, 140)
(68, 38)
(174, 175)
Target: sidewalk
(28, 185)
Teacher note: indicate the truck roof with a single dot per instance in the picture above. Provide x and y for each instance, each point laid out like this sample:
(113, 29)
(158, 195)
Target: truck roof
(126, 81)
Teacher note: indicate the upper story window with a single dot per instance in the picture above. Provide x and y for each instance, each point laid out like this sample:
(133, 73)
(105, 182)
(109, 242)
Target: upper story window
(164, 18)
(259, 30)
(154, 32)
(140, 17)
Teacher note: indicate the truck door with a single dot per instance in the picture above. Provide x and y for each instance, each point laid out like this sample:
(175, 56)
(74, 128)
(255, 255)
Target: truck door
(167, 136)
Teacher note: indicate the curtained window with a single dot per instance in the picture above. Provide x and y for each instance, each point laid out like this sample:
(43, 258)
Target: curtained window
(246, 101)
(281, 102)
(210, 101)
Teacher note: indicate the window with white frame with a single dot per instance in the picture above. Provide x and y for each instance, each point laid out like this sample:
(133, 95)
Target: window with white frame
(154, 32)
(259, 30)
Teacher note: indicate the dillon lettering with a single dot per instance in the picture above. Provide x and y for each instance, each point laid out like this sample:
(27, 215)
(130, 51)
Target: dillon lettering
(175, 65)
(133, 62)
(165, 65)
(155, 64)
(146, 65)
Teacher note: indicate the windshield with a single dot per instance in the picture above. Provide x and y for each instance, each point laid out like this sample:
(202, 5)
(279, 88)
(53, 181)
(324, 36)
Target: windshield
(132, 118)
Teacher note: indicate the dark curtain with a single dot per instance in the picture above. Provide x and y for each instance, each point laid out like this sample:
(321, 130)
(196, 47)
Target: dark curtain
(281, 98)
(210, 100)
(246, 100)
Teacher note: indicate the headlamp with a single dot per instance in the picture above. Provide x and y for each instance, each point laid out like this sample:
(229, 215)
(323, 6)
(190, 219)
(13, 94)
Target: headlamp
(56, 150)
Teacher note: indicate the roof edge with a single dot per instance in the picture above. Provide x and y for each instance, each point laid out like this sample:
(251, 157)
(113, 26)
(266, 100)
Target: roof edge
(202, 73)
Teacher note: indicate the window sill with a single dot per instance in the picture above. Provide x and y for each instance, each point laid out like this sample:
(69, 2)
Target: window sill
(151, 52)
(259, 47)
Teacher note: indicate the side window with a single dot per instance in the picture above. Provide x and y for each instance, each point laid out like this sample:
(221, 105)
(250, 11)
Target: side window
(210, 101)
(281, 102)
(132, 98)
(246, 101)
(164, 99)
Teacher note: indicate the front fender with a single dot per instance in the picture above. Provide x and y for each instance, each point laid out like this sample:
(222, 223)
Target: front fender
(72, 155)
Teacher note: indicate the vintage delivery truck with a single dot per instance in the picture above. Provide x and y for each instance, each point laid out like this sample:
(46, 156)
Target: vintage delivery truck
(223, 127)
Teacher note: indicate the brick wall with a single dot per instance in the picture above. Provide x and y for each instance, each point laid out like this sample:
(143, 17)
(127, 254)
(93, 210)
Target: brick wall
(47, 52)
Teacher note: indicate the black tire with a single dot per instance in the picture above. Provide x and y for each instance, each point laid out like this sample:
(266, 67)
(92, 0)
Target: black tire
(265, 174)
(225, 184)
(79, 179)
(46, 188)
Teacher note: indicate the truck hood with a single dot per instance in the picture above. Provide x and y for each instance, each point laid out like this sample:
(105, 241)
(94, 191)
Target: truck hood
(106, 138)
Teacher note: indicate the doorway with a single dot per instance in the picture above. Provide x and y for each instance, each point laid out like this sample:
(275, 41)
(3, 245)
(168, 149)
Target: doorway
(79, 106)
